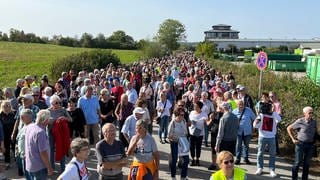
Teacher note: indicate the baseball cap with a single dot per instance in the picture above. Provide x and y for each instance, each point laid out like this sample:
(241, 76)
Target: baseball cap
(139, 110)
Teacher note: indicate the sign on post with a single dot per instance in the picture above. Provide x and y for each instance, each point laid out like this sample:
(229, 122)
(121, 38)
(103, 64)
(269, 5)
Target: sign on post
(262, 60)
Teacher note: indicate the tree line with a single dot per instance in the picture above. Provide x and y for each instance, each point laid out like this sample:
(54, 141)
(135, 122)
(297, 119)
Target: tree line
(118, 40)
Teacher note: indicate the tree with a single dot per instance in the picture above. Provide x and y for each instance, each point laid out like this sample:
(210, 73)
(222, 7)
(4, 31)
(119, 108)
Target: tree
(120, 40)
(170, 33)
(205, 49)
(100, 41)
(152, 49)
(86, 40)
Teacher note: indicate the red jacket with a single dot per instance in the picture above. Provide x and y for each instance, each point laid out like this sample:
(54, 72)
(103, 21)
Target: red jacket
(60, 132)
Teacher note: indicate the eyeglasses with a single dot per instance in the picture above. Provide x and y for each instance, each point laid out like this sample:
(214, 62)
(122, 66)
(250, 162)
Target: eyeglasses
(55, 103)
(35, 95)
(181, 115)
(310, 113)
(227, 162)
(84, 149)
(181, 105)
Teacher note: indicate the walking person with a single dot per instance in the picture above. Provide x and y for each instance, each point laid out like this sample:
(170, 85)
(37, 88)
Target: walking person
(178, 143)
(89, 104)
(246, 117)
(143, 147)
(267, 128)
(198, 118)
(228, 130)
(306, 128)
(123, 111)
(37, 147)
(76, 169)
(7, 118)
(227, 169)
(163, 108)
(110, 154)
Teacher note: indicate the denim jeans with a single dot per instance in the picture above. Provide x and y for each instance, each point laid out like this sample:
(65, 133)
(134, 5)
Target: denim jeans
(303, 152)
(39, 175)
(163, 127)
(272, 152)
(174, 158)
(245, 140)
(26, 173)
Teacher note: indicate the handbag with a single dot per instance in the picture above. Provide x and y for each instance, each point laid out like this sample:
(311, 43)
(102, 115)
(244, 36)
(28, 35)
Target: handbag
(158, 119)
(183, 146)
(197, 132)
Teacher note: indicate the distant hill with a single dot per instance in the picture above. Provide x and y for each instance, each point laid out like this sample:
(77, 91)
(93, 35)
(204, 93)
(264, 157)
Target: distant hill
(20, 59)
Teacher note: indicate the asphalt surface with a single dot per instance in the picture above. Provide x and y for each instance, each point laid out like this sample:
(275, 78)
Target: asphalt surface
(283, 168)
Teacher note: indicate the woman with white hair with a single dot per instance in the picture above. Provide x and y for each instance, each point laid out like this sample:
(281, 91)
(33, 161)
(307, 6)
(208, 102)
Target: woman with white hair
(58, 114)
(123, 111)
(7, 119)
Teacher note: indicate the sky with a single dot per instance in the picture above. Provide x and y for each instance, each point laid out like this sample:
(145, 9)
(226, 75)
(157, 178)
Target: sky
(277, 19)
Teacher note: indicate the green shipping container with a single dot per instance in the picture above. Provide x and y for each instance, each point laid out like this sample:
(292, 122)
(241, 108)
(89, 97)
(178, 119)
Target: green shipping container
(312, 67)
(292, 66)
(308, 69)
(318, 73)
(284, 57)
(270, 64)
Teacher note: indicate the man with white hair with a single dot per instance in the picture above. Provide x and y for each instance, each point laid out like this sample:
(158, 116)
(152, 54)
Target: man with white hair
(228, 130)
(307, 133)
(38, 101)
(37, 147)
(89, 104)
(27, 103)
(131, 93)
(129, 127)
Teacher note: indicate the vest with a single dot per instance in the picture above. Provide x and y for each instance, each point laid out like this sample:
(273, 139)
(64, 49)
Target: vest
(238, 174)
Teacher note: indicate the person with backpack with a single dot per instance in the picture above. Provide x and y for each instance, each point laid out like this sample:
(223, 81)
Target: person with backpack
(76, 169)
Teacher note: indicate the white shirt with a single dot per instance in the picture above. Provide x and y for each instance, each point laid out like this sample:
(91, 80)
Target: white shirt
(71, 171)
(267, 125)
(166, 111)
(132, 95)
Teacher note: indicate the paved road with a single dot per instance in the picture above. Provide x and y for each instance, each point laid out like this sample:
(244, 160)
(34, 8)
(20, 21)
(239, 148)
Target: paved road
(283, 168)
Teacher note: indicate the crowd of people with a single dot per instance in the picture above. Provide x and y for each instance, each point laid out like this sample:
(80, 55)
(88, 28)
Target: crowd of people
(44, 124)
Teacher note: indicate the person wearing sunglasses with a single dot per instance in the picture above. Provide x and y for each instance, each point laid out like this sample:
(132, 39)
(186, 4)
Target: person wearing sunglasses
(227, 170)
(179, 144)
(306, 128)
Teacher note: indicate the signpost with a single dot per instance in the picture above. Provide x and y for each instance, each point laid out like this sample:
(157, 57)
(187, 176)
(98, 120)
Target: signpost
(261, 62)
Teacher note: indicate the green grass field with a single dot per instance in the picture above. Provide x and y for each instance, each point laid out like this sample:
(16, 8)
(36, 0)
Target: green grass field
(20, 59)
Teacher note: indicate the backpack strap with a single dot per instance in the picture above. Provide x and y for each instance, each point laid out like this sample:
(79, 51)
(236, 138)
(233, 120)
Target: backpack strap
(75, 163)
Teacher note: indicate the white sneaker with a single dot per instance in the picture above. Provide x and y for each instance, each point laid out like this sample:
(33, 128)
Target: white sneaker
(259, 171)
(273, 174)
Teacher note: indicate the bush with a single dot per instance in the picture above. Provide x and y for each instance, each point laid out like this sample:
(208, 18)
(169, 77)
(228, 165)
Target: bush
(89, 60)
(152, 49)
(293, 93)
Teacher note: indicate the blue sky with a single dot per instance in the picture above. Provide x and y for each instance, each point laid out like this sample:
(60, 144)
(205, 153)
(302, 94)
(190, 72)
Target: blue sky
(141, 18)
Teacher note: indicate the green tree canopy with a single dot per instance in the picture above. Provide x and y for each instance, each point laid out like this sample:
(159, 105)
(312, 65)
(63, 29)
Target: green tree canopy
(170, 32)
(205, 49)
